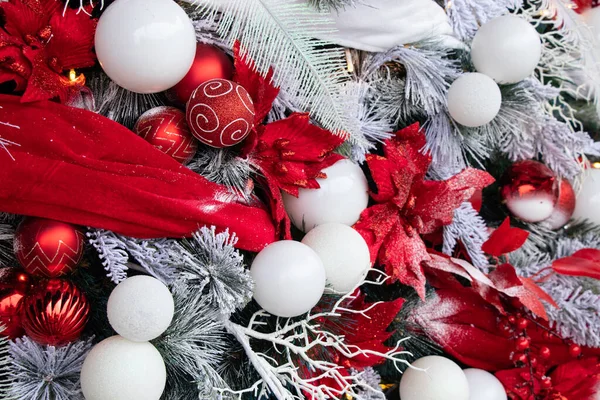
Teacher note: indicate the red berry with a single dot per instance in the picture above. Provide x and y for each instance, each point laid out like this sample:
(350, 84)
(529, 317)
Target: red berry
(512, 319)
(546, 382)
(533, 361)
(545, 352)
(574, 350)
(522, 343)
(547, 335)
(520, 358)
(522, 323)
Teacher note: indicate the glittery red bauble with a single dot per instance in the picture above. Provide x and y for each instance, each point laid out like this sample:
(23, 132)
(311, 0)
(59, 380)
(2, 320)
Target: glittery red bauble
(48, 248)
(209, 63)
(55, 313)
(220, 113)
(11, 305)
(564, 208)
(165, 128)
(530, 191)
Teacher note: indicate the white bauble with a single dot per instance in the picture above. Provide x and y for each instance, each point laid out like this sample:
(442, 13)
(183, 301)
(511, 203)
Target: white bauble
(343, 195)
(507, 49)
(484, 386)
(474, 99)
(587, 205)
(442, 380)
(119, 369)
(344, 253)
(289, 278)
(140, 308)
(145, 46)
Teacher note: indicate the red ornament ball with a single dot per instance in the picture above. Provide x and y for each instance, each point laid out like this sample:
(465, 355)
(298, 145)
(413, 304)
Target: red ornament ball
(220, 113)
(209, 63)
(48, 248)
(11, 306)
(564, 208)
(165, 128)
(530, 191)
(55, 313)
(575, 350)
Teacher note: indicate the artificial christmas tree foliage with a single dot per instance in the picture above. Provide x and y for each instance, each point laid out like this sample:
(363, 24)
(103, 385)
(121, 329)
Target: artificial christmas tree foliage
(316, 194)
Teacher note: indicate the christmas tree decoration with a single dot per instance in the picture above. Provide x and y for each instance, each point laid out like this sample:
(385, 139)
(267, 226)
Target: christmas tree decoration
(220, 113)
(344, 253)
(564, 207)
(437, 378)
(119, 369)
(484, 386)
(340, 197)
(140, 308)
(474, 100)
(55, 313)
(11, 307)
(289, 278)
(530, 191)
(587, 204)
(48, 248)
(507, 49)
(145, 46)
(166, 129)
(209, 63)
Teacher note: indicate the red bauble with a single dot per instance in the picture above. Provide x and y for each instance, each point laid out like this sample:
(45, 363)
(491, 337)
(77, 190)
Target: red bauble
(564, 208)
(11, 305)
(165, 128)
(48, 248)
(55, 313)
(220, 113)
(210, 63)
(530, 191)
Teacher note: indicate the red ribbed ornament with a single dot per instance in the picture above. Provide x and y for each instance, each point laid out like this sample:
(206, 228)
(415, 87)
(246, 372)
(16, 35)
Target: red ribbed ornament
(55, 313)
(48, 248)
(165, 128)
(11, 305)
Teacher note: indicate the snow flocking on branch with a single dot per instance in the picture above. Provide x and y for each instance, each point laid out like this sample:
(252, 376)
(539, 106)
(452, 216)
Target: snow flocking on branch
(466, 16)
(468, 227)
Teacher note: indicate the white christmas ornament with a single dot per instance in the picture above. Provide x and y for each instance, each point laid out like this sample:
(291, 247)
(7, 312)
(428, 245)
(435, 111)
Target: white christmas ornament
(140, 308)
(484, 386)
(145, 46)
(289, 278)
(344, 253)
(343, 195)
(587, 205)
(119, 369)
(507, 49)
(442, 379)
(474, 99)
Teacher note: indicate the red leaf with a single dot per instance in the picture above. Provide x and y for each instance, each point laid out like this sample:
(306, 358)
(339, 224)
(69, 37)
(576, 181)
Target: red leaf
(585, 262)
(577, 379)
(505, 239)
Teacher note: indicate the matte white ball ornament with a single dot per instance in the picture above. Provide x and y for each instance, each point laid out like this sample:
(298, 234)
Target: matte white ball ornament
(507, 49)
(587, 205)
(442, 380)
(289, 278)
(474, 99)
(344, 253)
(343, 195)
(145, 46)
(119, 369)
(140, 308)
(484, 386)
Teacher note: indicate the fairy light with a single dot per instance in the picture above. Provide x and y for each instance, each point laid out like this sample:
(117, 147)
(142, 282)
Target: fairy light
(596, 165)
(72, 75)
(448, 5)
(349, 61)
(545, 13)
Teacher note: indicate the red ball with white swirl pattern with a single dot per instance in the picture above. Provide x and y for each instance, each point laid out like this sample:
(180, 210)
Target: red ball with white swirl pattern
(220, 113)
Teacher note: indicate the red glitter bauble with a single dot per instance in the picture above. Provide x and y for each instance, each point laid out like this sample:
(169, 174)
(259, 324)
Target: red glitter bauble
(165, 128)
(55, 313)
(48, 248)
(11, 305)
(220, 113)
(564, 208)
(530, 191)
(209, 63)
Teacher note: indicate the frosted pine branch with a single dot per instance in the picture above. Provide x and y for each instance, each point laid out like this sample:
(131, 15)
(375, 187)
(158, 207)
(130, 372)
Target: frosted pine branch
(468, 227)
(466, 16)
(6, 379)
(111, 252)
(331, 5)
(7, 233)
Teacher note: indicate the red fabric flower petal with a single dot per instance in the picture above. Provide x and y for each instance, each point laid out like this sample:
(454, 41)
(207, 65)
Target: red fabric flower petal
(585, 262)
(505, 239)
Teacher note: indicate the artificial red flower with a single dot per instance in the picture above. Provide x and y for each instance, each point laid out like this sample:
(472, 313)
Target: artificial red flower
(410, 206)
(505, 239)
(585, 262)
(38, 43)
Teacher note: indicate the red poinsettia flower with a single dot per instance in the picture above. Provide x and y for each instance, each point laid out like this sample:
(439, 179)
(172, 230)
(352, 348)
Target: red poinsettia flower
(39, 43)
(410, 206)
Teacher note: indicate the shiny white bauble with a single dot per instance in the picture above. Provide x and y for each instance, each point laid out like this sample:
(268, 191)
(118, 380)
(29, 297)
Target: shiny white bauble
(140, 308)
(343, 195)
(474, 100)
(119, 369)
(507, 49)
(344, 253)
(442, 380)
(289, 278)
(484, 386)
(587, 205)
(145, 46)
